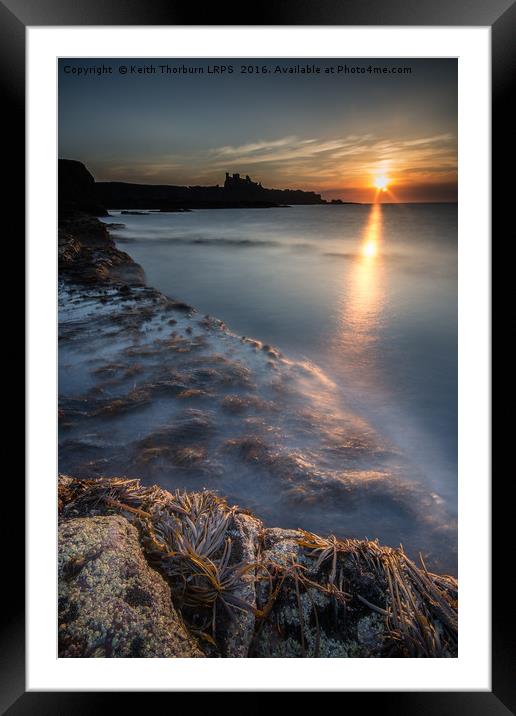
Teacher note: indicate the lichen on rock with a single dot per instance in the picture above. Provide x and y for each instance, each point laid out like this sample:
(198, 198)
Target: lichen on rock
(307, 618)
(111, 603)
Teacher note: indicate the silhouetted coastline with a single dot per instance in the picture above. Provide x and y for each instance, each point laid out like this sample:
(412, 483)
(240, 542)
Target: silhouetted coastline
(235, 193)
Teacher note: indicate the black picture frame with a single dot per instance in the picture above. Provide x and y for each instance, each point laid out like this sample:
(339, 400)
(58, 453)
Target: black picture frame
(15, 16)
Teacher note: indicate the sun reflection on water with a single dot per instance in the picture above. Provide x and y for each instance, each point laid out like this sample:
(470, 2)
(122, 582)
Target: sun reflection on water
(370, 248)
(362, 299)
(372, 234)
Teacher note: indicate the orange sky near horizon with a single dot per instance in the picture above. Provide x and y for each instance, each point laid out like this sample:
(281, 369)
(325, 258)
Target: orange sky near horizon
(417, 169)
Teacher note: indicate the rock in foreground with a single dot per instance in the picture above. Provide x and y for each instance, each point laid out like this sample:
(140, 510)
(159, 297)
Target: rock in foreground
(242, 590)
(111, 603)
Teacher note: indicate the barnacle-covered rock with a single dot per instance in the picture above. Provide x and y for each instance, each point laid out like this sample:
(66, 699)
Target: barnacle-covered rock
(313, 615)
(111, 603)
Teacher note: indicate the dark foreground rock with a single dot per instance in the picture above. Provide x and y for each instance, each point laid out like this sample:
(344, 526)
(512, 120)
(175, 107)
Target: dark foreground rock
(242, 590)
(111, 603)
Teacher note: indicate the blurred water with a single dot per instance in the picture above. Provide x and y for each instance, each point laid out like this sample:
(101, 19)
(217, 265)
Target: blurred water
(367, 293)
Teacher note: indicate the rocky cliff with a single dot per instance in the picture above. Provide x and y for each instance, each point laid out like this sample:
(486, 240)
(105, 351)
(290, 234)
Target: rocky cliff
(77, 190)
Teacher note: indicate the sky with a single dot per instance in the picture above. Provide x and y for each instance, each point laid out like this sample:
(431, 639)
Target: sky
(339, 133)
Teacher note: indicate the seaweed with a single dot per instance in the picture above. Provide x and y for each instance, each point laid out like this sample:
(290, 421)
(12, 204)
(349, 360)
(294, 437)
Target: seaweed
(316, 592)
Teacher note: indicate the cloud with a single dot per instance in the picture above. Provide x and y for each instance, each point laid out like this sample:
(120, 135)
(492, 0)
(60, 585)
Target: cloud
(253, 148)
(315, 163)
(428, 140)
(283, 149)
(359, 153)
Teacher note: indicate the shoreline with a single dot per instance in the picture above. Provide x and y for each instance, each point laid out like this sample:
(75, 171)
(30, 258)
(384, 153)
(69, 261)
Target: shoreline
(377, 626)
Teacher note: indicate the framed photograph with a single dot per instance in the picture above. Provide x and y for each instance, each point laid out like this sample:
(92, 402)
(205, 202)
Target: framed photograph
(258, 352)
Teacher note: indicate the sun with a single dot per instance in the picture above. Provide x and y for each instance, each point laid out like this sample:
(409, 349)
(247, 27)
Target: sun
(381, 183)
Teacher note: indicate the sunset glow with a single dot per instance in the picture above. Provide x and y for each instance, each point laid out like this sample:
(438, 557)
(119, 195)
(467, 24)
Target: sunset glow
(381, 183)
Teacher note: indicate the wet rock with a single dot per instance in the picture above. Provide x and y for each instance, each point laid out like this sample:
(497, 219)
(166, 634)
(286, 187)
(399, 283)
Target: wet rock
(87, 253)
(237, 404)
(181, 306)
(111, 603)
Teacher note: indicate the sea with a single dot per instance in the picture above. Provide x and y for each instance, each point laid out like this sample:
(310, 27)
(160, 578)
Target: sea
(366, 295)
